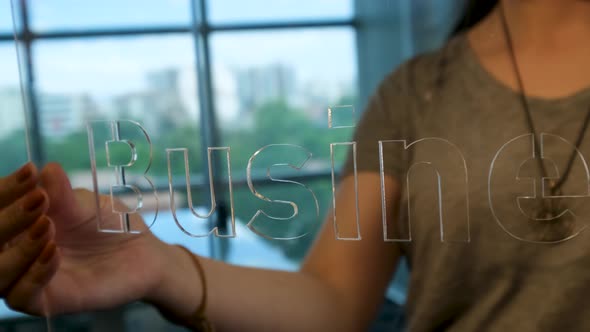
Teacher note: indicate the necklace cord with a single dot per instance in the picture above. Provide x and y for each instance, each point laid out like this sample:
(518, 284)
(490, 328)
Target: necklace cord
(529, 118)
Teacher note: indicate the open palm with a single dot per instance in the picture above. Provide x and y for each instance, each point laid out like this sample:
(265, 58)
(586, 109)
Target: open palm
(95, 270)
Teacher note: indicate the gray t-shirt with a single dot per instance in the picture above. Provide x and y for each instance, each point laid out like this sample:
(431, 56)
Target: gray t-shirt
(462, 118)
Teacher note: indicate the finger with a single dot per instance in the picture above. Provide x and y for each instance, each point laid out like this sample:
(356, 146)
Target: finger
(26, 293)
(21, 214)
(17, 184)
(16, 260)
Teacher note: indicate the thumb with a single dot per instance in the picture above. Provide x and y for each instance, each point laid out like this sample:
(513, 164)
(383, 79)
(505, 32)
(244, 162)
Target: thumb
(69, 208)
(59, 189)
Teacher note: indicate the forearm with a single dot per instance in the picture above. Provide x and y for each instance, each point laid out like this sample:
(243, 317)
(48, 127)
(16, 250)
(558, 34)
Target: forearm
(249, 299)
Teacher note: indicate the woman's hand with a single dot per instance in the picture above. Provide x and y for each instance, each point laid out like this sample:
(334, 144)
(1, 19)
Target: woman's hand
(89, 270)
(25, 232)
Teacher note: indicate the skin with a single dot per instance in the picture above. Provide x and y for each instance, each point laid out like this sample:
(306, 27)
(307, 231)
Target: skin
(97, 270)
(549, 41)
(341, 283)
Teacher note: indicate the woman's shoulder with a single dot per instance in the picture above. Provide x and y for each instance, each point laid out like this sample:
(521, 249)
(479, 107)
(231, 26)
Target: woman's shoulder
(431, 69)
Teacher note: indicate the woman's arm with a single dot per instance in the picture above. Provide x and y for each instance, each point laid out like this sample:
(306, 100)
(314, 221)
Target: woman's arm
(339, 287)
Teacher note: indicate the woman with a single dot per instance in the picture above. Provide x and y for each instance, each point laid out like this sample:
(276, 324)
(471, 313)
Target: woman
(496, 281)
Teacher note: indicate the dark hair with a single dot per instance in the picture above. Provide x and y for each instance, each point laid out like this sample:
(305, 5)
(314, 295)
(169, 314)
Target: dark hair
(475, 11)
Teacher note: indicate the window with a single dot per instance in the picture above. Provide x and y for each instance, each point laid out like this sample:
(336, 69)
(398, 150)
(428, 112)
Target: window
(148, 79)
(282, 85)
(194, 74)
(107, 60)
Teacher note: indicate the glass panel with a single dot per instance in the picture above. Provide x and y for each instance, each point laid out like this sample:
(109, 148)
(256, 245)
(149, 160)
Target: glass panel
(72, 14)
(12, 124)
(104, 103)
(278, 90)
(12, 119)
(251, 249)
(120, 114)
(12, 135)
(228, 11)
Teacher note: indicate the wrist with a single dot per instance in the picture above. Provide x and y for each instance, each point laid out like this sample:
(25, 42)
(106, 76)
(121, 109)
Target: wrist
(178, 290)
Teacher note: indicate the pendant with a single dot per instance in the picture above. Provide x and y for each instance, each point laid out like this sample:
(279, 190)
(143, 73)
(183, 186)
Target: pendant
(555, 222)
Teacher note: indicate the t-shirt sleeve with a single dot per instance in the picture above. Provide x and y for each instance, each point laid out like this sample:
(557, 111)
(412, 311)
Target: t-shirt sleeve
(385, 118)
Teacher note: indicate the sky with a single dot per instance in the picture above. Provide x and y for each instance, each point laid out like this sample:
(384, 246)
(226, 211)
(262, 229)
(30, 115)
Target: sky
(110, 66)
(48, 14)
(5, 17)
(64, 14)
(78, 65)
